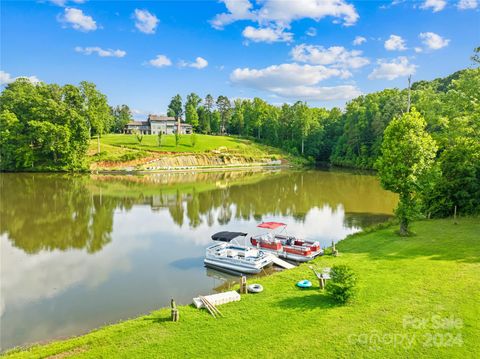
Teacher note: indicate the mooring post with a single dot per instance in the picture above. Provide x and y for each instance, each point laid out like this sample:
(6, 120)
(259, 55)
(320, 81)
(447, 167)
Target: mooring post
(243, 285)
(175, 314)
(334, 250)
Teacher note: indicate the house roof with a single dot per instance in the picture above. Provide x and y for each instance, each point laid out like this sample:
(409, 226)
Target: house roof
(137, 123)
(159, 118)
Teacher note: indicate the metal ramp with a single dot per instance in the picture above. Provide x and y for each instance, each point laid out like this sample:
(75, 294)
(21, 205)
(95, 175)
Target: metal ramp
(281, 263)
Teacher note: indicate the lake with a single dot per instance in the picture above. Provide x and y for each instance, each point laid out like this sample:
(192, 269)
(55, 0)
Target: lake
(81, 251)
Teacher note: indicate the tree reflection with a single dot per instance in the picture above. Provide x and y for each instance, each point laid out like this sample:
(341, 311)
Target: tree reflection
(52, 211)
(47, 212)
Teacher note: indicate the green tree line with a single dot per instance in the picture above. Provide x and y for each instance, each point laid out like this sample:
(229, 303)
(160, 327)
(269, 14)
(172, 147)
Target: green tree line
(48, 127)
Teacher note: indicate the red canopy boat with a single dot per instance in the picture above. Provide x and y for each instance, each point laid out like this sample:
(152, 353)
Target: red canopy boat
(285, 246)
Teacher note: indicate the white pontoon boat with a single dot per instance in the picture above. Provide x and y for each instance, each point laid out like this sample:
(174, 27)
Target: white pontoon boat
(234, 257)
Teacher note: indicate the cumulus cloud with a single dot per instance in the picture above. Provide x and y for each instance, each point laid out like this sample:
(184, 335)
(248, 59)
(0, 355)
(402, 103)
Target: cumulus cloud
(145, 21)
(278, 15)
(76, 19)
(267, 34)
(160, 61)
(343, 92)
(390, 70)
(335, 56)
(467, 4)
(294, 81)
(6, 78)
(199, 63)
(237, 10)
(100, 52)
(435, 5)
(395, 43)
(433, 41)
(359, 40)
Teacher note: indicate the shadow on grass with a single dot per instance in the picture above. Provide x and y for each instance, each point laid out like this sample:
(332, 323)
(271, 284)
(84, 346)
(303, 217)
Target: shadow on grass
(313, 300)
(158, 319)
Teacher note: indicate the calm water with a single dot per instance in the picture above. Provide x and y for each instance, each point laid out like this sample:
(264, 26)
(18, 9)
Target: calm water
(81, 251)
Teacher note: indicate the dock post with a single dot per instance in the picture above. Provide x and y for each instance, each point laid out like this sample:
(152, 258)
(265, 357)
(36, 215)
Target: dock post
(243, 285)
(334, 250)
(175, 316)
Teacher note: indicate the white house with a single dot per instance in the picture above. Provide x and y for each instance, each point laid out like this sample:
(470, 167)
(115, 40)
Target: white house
(156, 124)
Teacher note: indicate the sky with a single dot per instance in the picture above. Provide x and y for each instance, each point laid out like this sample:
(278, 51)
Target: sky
(324, 52)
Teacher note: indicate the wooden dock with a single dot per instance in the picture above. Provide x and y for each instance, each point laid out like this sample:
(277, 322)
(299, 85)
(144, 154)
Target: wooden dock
(281, 263)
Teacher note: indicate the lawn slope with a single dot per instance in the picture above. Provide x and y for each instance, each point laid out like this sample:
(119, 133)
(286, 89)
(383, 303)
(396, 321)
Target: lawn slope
(430, 277)
(121, 150)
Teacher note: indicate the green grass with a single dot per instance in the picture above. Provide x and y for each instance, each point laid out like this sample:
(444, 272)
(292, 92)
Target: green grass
(205, 143)
(434, 273)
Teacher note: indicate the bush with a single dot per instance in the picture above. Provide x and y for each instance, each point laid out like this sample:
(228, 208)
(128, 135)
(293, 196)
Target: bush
(341, 286)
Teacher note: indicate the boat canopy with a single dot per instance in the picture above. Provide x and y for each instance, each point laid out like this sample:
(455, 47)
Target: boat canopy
(271, 225)
(227, 236)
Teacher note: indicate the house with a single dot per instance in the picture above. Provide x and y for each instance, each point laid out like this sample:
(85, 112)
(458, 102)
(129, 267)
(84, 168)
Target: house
(156, 124)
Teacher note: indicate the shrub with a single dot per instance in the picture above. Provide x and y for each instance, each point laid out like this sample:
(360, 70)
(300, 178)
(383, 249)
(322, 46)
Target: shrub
(341, 286)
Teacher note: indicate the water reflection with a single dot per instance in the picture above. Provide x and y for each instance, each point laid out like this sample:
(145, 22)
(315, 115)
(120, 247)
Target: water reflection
(81, 251)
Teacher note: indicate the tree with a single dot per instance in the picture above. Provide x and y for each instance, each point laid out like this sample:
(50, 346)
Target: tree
(341, 286)
(303, 121)
(175, 110)
(138, 135)
(224, 108)
(42, 127)
(96, 110)
(407, 155)
(476, 55)
(121, 116)
(193, 139)
(191, 108)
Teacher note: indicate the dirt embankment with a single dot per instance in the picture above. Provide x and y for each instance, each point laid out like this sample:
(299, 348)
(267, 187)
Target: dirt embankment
(159, 162)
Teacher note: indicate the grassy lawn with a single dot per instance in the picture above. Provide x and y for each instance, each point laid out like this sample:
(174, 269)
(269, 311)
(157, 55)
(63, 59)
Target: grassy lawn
(429, 277)
(204, 143)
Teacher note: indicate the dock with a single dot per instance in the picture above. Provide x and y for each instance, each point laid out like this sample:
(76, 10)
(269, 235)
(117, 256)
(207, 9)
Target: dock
(281, 263)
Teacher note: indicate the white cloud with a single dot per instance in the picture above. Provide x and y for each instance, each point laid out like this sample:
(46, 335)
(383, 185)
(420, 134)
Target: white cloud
(199, 63)
(337, 56)
(78, 20)
(433, 41)
(64, 2)
(100, 52)
(343, 92)
(267, 34)
(311, 32)
(6, 78)
(160, 61)
(395, 43)
(237, 10)
(418, 49)
(145, 21)
(284, 12)
(294, 81)
(359, 40)
(467, 4)
(278, 15)
(390, 70)
(435, 5)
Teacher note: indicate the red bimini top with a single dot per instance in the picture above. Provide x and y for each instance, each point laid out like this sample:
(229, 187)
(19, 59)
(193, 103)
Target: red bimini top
(271, 225)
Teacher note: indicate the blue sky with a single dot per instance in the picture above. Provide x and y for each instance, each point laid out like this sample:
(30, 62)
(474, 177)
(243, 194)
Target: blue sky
(142, 53)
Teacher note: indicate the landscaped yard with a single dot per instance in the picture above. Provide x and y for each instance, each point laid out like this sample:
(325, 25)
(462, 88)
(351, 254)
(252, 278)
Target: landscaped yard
(204, 143)
(418, 297)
